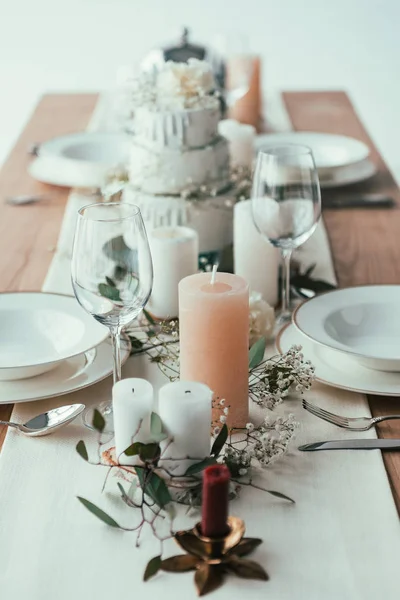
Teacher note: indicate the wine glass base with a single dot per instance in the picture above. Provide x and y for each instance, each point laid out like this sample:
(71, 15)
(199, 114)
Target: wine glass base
(105, 409)
(282, 318)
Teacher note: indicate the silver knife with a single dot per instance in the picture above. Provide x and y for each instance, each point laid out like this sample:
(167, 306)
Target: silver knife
(379, 444)
(359, 201)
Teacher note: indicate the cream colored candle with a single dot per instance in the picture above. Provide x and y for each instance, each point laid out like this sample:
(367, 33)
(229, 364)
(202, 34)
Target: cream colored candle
(185, 410)
(214, 338)
(175, 255)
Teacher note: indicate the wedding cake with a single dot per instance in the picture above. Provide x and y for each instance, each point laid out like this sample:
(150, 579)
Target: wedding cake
(179, 164)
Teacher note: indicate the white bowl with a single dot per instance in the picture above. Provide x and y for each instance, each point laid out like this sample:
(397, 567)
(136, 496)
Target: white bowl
(80, 159)
(363, 322)
(39, 330)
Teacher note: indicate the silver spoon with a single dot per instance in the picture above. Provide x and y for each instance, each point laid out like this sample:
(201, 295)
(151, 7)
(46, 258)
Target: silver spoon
(24, 199)
(49, 421)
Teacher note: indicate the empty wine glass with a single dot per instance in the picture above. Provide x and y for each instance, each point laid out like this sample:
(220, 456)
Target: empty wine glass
(112, 272)
(286, 204)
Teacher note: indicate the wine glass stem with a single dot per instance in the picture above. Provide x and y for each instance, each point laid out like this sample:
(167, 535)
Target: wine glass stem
(116, 345)
(286, 255)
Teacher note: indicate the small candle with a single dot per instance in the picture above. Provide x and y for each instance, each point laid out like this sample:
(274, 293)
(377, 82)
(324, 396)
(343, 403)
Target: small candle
(214, 511)
(184, 408)
(214, 337)
(132, 406)
(174, 251)
(241, 142)
(255, 259)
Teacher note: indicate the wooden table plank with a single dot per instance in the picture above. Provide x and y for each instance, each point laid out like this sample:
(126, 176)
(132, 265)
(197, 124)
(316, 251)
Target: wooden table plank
(365, 243)
(29, 234)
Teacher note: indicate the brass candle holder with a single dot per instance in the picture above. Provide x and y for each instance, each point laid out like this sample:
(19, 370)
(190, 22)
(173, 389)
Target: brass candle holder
(213, 558)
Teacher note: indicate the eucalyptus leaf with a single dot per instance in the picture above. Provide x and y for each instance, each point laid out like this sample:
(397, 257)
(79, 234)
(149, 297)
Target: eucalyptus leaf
(149, 452)
(280, 495)
(98, 421)
(149, 317)
(219, 441)
(152, 568)
(156, 428)
(136, 344)
(154, 486)
(200, 466)
(81, 450)
(110, 282)
(256, 353)
(99, 513)
(133, 449)
(110, 292)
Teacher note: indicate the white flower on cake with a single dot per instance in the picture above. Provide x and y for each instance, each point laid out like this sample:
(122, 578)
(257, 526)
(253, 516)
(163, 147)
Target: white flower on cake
(261, 318)
(185, 85)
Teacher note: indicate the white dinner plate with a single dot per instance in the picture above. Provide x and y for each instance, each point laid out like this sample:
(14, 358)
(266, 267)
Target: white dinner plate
(39, 330)
(336, 369)
(80, 159)
(362, 322)
(71, 375)
(330, 151)
(332, 178)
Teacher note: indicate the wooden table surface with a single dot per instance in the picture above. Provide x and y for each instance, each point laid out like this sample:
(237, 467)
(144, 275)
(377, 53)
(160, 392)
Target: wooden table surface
(365, 243)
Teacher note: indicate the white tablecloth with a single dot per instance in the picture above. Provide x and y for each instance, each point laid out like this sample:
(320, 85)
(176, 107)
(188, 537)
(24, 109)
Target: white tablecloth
(340, 541)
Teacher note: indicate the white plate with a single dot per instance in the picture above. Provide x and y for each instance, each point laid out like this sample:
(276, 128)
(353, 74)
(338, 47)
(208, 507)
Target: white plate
(71, 375)
(80, 159)
(336, 369)
(330, 151)
(363, 322)
(39, 330)
(332, 178)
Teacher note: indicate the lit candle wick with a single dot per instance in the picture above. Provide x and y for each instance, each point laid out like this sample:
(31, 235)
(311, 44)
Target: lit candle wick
(214, 274)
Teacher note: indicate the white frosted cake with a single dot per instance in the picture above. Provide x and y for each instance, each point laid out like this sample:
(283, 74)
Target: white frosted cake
(176, 150)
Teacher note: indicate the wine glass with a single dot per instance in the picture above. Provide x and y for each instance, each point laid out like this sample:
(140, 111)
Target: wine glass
(286, 204)
(112, 272)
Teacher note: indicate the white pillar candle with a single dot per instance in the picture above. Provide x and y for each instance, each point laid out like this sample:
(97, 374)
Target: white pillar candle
(241, 141)
(255, 259)
(133, 401)
(185, 410)
(175, 252)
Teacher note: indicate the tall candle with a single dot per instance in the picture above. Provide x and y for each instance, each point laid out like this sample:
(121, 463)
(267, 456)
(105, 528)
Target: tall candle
(241, 141)
(174, 251)
(214, 337)
(255, 259)
(215, 501)
(248, 108)
(132, 407)
(185, 410)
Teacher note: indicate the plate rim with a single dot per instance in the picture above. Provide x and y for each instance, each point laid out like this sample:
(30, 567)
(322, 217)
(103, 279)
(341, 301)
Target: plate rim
(330, 383)
(124, 358)
(319, 134)
(43, 153)
(58, 360)
(335, 348)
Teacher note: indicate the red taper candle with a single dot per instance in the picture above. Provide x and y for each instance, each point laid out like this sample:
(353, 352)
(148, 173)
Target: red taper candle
(214, 514)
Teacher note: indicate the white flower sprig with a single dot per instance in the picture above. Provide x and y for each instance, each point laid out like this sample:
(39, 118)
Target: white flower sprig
(259, 445)
(272, 379)
(261, 318)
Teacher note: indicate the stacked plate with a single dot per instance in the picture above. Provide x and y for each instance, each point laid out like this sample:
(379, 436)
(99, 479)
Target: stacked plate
(49, 346)
(340, 160)
(351, 337)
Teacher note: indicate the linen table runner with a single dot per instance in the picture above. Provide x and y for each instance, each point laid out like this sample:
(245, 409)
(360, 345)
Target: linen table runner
(340, 540)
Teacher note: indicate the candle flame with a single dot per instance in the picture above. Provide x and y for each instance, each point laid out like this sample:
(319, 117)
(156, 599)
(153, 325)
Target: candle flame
(214, 274)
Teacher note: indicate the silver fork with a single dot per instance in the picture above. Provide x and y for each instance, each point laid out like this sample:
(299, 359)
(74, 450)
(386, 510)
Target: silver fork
(351, 423)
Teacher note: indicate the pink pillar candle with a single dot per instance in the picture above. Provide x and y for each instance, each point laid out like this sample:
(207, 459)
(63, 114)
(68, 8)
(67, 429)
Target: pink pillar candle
(214, 338)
